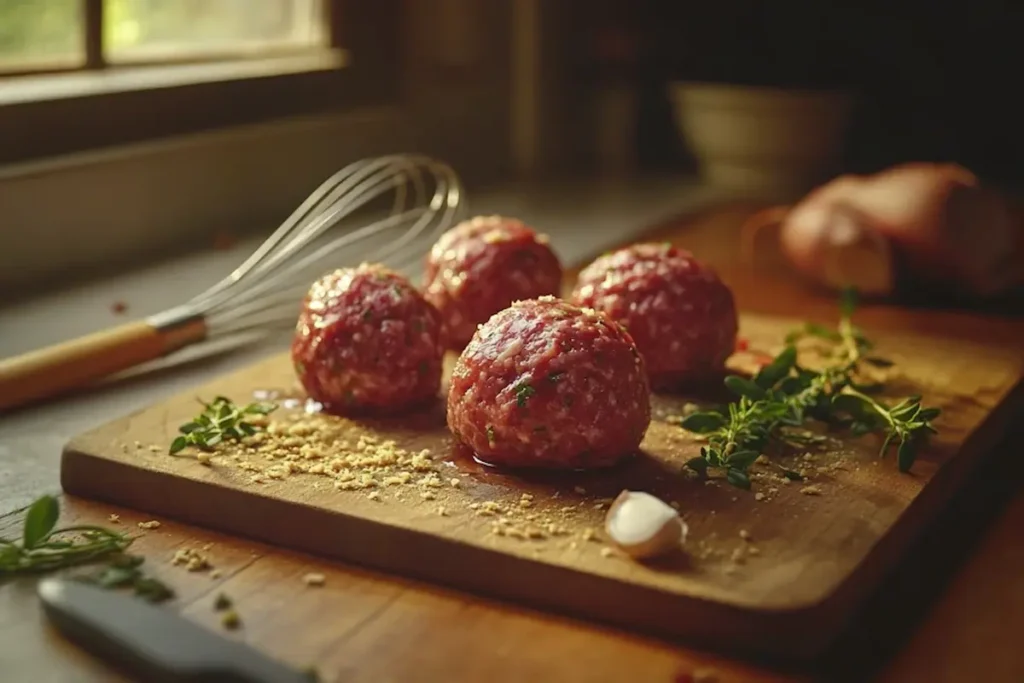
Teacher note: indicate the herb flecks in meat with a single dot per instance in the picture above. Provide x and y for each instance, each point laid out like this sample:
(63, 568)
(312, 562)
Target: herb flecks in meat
(524, 390)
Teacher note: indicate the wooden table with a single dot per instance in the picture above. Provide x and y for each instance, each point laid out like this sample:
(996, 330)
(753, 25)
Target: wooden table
(954, 613)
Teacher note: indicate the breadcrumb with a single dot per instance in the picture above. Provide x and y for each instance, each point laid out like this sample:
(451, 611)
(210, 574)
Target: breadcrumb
(314, 579)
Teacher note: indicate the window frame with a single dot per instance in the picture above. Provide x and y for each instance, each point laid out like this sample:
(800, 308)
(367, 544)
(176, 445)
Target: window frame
(45, 114)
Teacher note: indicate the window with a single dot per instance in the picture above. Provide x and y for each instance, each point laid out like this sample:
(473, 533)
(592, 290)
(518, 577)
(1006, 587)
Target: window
(48, 35)
(85, 74)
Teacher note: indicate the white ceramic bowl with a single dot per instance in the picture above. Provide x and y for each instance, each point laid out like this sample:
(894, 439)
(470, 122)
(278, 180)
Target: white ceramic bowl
(762, 141)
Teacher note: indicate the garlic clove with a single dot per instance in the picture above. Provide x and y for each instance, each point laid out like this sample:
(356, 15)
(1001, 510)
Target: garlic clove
(644, 526)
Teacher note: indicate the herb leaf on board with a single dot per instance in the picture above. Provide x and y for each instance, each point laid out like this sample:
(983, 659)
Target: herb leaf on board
(220, 419)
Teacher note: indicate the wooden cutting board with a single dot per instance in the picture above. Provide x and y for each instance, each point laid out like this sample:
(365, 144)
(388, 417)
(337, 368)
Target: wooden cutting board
(777, 570)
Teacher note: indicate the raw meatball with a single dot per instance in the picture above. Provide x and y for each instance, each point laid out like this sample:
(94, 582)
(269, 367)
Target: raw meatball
(367, 341)
(546, 384)
(481, 266)
(682, 316)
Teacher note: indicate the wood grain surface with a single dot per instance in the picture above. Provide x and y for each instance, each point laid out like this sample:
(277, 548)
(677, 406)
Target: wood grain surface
(952, 612)
(815, 550)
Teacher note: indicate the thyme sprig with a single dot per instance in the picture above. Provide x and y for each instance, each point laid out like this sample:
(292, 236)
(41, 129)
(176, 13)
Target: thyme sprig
(45, 548)
(786, 394)
(220, 419)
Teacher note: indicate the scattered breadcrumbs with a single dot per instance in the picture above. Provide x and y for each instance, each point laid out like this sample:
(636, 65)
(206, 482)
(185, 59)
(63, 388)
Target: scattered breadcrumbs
(324, 445)
(607, 552)
(204, 458)
(488, 507)
(455, 482)
(753, 550)
(155, 448)
(114, 518)
(373, 495)
(580, 490)
(744, 534)
(230, 620)
(812, 490)
(193, 560)
(589, 535)
(215, 574)
(441, 511)
(758, 496)
(151, 524)
(314, 579)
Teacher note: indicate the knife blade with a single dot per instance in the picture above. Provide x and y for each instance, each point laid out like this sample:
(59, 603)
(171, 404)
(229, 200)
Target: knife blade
(154, 642)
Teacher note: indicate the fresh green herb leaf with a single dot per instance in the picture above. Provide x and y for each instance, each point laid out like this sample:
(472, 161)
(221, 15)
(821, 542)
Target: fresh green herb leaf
(738, 478)
(116, 577)
(906, 454)
(152, 590)
(220, 419)
(742, 460)
(699, 465)
(744, 387)
(778, 369)
(702, 423)
(39, 521)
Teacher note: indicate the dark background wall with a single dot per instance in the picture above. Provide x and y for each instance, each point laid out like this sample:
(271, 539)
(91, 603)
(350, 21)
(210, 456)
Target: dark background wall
(936, 80)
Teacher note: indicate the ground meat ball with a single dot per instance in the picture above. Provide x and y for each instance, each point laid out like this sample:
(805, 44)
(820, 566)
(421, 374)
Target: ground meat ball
(546, 384)
(682, 316)
(367, 341)
(481, 266)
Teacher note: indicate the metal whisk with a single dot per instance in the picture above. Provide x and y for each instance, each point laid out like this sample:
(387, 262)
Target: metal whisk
(264, 292)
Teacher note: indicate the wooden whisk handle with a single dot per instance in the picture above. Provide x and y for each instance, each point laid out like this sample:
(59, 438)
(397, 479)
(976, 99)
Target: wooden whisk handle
(54, 370)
